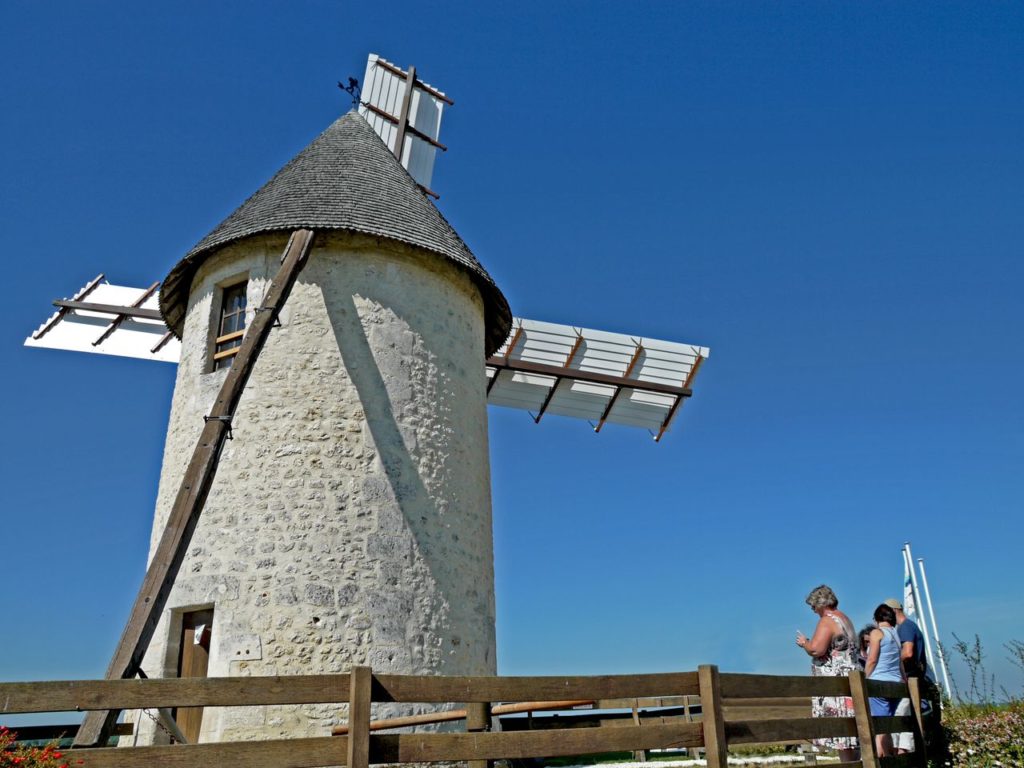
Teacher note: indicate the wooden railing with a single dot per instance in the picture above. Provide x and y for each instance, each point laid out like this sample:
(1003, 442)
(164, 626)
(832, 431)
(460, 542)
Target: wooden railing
(735, 709)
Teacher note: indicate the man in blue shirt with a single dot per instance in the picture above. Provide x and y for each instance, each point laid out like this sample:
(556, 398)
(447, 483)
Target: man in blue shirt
(912, 652)
(914, 661)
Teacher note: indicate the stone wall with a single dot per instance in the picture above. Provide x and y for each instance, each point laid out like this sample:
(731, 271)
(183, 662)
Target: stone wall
(350, 519)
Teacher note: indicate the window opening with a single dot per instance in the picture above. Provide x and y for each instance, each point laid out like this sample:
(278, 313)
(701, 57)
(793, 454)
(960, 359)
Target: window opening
(193, 661)
(232, 326)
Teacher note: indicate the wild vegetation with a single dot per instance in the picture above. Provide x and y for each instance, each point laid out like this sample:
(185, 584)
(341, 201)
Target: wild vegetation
(984, 724)
(24, 756)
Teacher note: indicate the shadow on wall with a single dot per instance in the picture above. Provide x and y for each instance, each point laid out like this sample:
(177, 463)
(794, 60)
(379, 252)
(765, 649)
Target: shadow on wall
(410, 540)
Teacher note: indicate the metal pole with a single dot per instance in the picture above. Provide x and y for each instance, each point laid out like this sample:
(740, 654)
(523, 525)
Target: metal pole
(935, 628)
(908, 562)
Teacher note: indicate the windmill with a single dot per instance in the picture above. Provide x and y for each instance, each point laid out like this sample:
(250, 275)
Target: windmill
(325, 493)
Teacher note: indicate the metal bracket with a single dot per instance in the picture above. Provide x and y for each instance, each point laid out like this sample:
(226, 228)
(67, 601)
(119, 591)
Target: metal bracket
(277, 319)
(222, 419)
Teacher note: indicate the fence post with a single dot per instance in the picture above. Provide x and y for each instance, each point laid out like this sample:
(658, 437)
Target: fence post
(920, 748)
(862, 714)
(716, 749)
(359, 697)
(478, 719)
(639, 755)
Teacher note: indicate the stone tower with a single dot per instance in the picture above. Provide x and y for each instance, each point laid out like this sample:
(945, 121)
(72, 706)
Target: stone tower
(350, 519)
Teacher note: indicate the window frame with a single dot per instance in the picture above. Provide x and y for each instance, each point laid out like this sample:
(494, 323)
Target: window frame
(225, 346)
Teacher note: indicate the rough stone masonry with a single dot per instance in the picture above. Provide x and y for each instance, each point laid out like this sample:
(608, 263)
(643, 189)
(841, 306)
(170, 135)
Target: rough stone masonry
(350, 518)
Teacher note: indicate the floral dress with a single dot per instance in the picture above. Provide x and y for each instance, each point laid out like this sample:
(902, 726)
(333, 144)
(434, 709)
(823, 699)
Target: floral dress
(840, 661)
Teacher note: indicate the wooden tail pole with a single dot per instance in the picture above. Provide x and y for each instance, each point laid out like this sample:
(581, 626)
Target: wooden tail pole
(716, 748)
(195, 485)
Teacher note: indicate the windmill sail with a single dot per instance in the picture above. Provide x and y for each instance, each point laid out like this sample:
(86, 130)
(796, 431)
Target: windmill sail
(417, 125)
(109, 320)
(542, 368)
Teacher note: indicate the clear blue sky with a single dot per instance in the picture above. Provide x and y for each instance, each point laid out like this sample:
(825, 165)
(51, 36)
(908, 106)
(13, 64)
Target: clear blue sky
(828, 195)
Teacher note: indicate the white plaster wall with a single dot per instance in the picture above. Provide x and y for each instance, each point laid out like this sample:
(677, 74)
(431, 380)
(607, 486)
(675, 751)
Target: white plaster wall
(350, 519)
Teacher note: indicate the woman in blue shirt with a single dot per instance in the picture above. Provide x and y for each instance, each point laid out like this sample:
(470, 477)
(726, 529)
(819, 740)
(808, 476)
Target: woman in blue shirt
(884, 664)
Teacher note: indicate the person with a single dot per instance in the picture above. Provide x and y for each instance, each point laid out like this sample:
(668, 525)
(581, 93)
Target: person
(833, 651)
(862, 644)
(915, 664)
(884, 664)
(912, 651)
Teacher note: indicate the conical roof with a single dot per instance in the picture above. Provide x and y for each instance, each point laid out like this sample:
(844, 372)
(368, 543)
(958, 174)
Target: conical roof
(347, 179)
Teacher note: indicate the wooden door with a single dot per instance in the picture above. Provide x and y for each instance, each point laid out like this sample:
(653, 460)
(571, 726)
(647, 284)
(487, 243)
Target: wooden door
(193, 661)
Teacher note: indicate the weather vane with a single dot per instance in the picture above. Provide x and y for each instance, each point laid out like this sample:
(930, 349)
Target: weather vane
(352, 89)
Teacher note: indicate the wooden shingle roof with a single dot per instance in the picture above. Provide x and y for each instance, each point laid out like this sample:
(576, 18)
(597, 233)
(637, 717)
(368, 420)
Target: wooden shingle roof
(346, 179)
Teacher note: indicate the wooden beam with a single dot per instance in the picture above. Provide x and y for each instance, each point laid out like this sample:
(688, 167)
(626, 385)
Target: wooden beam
(790, 729)
(645, 702)
(558, 380)
(507, 358)
(715, 744)
(418, 83)
(522, 366)
(403, 115)
(406, 747)
(639, 755)
(85, 695)
(447, 715)
(675, 406)
(160, 344)
(110, 309)
(862, 715)
(538, 706)
(195, 485)
(478, 720)
(618, 390)
(444, 747)
(64, 310)
(53, 732)
(427, 718)
(276, 753)
(741, 686)
(359, 698)
(116, 323)
(429, 688)
(410, 128)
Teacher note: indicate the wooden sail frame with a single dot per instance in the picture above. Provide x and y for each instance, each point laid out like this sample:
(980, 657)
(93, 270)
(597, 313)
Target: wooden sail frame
(542, 368)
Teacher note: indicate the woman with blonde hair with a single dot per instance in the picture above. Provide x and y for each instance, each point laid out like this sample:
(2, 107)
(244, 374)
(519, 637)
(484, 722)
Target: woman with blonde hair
(833, 650)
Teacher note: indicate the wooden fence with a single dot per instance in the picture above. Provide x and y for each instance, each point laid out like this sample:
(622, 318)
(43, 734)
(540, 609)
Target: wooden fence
(735, 709)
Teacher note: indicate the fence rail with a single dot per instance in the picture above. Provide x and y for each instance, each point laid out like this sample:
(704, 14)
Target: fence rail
(660, 713)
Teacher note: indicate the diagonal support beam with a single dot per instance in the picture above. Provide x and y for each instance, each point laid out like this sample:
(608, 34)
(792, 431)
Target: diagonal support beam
(195, 485)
